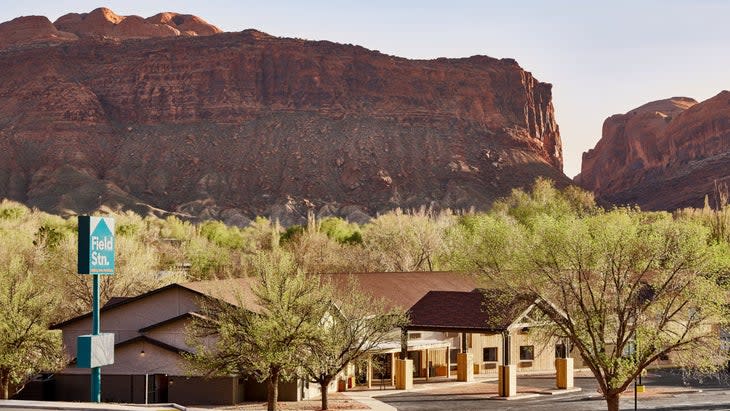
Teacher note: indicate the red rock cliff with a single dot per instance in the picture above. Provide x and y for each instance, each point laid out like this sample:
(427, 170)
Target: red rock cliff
(663, 155)
(240, 124)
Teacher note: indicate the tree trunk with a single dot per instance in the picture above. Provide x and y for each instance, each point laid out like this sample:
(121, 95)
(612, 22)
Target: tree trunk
(273, 391)
(5, 386)
(323, 385)
(612, 400)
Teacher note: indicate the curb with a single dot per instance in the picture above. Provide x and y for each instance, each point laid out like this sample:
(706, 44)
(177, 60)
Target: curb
(75, 406)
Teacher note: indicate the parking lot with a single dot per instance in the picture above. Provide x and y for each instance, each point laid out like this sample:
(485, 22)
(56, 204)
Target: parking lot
(665, 390)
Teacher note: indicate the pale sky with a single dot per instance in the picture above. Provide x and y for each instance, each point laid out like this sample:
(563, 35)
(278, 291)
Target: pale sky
(601, 57)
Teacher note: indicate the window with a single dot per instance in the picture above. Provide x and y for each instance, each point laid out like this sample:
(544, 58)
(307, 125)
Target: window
(489, 353)
(452, 355)
(527, 352)
(414, 336)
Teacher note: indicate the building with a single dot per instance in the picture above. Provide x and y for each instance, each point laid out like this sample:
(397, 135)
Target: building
(449, 316)
(150, 347)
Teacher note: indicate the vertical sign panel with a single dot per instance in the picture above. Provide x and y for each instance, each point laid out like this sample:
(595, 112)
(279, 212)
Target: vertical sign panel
(96, 245)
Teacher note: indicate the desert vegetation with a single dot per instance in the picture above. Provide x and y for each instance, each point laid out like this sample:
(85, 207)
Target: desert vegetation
(646, 282)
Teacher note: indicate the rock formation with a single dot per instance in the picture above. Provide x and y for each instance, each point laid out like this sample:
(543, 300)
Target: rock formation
(104, 22)
(234, 125)
(101, 22)
(29, 30)
(663, 155)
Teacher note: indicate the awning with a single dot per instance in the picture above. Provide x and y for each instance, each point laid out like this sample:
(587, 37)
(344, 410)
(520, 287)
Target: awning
(413, 345)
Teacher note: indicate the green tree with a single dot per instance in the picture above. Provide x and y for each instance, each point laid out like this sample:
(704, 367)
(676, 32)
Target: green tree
(340, 230)
(27, 346)
(617, 282)
(264, 339)
(135, 273)
(407, 242)
(316, 251)
(10, 210)
(353, 327)
(545, 199)
(222, 235)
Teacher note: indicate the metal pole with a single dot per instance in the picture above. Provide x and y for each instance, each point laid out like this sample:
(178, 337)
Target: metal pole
(96, 371)
(146, 388)
(635, 396)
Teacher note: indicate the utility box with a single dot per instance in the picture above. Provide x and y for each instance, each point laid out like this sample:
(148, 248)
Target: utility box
(94, 350)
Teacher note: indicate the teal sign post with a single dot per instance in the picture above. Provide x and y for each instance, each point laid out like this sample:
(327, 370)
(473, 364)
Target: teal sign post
(96, 245)
(96, 257)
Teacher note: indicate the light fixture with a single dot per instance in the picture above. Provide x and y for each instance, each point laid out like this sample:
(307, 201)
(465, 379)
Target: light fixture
(141, 353)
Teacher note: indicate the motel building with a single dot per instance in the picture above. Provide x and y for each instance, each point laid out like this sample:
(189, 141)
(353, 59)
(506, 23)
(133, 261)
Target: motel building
(456, 331)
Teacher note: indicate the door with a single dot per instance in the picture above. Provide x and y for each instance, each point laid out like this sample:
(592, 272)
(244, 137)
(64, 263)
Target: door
(161, 385)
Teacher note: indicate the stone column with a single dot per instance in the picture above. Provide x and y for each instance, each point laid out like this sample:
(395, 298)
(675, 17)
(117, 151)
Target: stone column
(404, 372)
(465, 367)
(507, 383)
(564, 373)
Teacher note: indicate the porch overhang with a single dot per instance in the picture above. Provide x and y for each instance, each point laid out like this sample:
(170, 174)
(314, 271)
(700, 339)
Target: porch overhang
(413, 345)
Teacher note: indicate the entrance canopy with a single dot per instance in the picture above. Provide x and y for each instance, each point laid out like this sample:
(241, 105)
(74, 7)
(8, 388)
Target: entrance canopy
(413, 345)
(477, 311)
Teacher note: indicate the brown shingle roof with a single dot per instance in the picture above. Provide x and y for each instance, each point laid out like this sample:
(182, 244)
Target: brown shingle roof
(402, 290)
(180, 317)
(474, 311)
(116, 300)
(236, 291)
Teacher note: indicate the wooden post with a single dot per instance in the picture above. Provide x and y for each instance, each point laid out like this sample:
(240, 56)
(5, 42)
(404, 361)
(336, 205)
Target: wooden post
(428, 371)
(448, 362)
(369, 376)
(506, 348)
(392, 369)
(403, 343)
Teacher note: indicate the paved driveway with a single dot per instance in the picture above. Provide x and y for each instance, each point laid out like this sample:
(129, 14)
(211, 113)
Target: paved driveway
(666, 390)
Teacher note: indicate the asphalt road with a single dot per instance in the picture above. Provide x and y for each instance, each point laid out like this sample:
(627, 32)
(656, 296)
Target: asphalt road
(715, 395)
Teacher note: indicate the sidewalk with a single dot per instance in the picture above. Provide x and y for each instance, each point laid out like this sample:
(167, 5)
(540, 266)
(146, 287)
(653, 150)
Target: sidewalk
(365, 397)
(75, 406)
(484, 387)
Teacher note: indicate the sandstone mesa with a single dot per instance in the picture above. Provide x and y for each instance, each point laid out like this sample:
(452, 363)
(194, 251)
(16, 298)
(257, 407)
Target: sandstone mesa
(664, 155)
(167, 114)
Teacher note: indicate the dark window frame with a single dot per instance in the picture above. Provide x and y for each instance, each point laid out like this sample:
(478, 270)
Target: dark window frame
(527, 352)
(493, 350)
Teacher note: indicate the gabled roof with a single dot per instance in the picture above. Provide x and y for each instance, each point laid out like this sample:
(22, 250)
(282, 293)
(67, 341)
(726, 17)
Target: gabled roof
(235, 291)
(148, 340)
(483, 311)
(170, 321)
(152, 341)
(121, 302)
(116, 300)
(402, 290)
